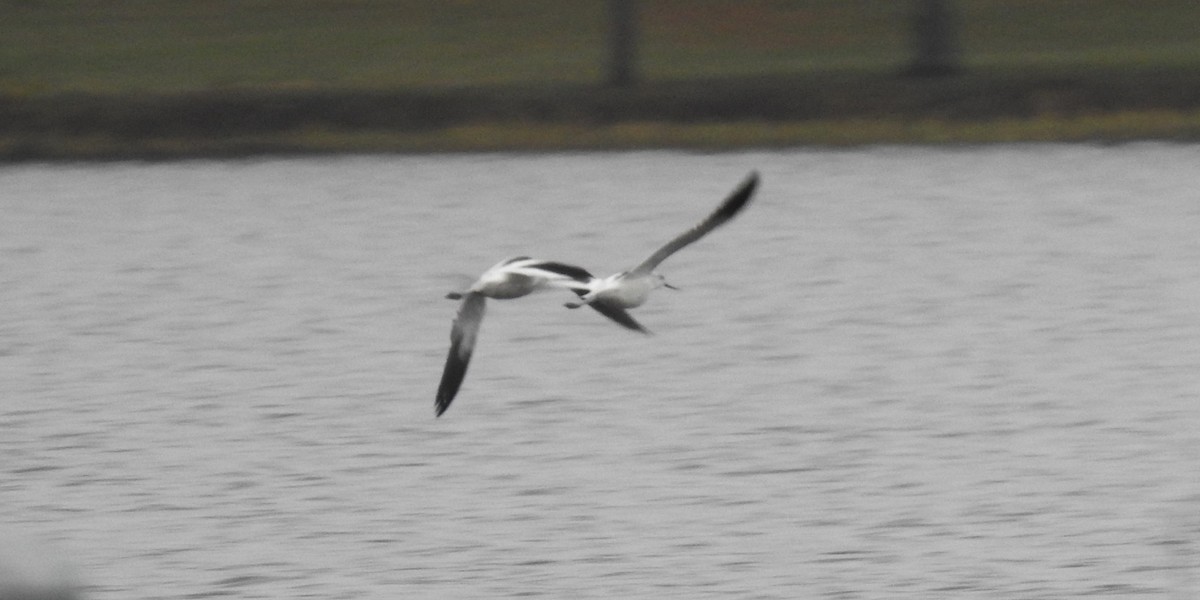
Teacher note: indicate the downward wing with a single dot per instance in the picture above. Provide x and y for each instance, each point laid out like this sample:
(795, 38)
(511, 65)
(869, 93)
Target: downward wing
(462, 344)
(728, 209)
(618, 314)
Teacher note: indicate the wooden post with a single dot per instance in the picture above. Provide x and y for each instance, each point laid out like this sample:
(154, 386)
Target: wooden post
(622, 42)
(935, 49)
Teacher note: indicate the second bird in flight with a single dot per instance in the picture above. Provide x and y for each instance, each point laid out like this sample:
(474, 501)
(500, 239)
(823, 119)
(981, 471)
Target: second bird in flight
(610, 296)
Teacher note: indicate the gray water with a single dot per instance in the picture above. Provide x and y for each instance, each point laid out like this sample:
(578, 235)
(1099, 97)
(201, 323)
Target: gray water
(901, 373)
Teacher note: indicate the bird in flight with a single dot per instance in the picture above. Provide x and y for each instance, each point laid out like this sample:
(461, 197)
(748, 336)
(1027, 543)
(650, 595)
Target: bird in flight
(512, 278)
(612, 295)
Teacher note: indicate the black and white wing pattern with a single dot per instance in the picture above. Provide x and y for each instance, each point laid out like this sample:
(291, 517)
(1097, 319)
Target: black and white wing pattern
(732, 205)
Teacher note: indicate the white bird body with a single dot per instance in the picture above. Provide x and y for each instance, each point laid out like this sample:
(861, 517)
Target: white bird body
(630, 289)
(505, 280)
(522, 276)
(625, 289)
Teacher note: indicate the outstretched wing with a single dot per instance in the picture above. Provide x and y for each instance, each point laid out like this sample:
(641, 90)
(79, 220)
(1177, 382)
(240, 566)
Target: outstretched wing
(578, 274)
(728, 209)
(462, 344)
(618, 314)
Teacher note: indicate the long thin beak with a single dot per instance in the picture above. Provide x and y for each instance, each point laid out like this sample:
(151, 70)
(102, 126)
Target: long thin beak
(670, 287)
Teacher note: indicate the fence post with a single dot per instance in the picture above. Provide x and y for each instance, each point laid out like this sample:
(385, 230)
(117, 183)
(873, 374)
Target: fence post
(935, 49)
(622, 42)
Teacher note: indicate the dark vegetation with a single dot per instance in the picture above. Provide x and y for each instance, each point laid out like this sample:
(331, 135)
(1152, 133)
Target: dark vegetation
(146, 78)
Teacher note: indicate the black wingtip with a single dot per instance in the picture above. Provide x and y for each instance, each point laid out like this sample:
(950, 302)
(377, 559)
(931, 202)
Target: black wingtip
(740, 196)
(748, 185)
(577, 273)
(452, 378)
(619, 316)
(444, 398)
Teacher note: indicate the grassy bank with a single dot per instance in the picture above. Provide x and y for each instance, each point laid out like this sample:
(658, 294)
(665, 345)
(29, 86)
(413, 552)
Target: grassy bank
(545, 137)
(834, 110)
(146, 78)
(156, 46)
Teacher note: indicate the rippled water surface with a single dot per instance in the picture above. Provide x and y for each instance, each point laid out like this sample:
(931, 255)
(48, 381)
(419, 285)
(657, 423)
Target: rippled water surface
(901, 373)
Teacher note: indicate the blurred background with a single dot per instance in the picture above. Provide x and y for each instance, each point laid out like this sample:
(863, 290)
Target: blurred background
(907, 371)
(82, 77)
(187, 45)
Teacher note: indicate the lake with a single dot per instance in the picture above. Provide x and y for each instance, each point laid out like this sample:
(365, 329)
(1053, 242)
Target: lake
(902, 372)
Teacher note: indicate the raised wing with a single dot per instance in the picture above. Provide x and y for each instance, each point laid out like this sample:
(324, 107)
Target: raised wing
(736, 201)
(462, 344)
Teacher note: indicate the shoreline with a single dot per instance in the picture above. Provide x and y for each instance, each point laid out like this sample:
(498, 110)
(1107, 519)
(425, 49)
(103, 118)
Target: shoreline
(824, 110)
(706, 137)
